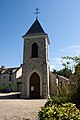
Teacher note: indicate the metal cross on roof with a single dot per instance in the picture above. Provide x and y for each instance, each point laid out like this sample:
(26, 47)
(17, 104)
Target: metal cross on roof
(37, 12)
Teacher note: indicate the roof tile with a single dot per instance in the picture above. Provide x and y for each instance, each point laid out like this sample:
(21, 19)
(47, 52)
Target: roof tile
(36, 28)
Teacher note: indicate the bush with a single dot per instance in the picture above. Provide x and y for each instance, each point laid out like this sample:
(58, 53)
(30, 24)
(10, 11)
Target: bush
(1, 89)
(64, 111)
(76, 97)
(55, 100)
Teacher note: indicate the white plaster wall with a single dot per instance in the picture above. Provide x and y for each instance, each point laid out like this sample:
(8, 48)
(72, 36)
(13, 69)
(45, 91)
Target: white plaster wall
(19, 73)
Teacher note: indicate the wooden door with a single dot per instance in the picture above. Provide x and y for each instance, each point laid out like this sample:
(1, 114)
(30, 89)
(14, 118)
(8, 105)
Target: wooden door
(34, 86)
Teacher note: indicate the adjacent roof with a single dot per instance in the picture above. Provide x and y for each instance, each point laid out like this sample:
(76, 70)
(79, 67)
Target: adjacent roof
(62, 77)
(36, 28)
(8, 70)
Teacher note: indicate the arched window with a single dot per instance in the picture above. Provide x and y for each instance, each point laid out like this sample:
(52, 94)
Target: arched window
(34, 50)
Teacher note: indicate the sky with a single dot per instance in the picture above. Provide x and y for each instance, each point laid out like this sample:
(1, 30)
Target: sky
(60, 19)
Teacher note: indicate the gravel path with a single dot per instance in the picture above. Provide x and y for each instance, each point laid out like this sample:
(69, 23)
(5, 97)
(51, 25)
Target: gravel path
(19, 109)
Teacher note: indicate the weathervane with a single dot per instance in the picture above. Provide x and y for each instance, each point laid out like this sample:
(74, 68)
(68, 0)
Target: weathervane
(37, 12)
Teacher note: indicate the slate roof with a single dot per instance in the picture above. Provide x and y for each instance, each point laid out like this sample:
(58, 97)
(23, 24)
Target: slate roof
(36, 28)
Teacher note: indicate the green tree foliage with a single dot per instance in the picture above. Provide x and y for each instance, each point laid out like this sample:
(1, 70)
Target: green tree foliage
(74, 64)
(77, 69)
(70, 62)
(66, 72)
(76, 92)
(55, 110)
(2, 88)
(65, 93)
(74, 88)
(55, 100)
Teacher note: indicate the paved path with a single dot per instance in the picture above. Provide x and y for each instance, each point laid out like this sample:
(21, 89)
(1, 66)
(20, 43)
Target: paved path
(18, 109)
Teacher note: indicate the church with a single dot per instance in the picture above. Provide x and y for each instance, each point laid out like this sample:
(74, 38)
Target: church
(35, 70)
(33, 78)
(37, 80)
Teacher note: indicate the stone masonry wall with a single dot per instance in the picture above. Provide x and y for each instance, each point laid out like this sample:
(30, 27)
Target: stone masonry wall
(39, 65)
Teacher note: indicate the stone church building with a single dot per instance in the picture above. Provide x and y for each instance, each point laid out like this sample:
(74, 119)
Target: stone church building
(33, 78)
(37, 80)
(35, 70)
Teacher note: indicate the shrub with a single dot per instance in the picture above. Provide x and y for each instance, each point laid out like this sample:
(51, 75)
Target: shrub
(1, 89)
(55, 100)
(76, 97)
(64, 111)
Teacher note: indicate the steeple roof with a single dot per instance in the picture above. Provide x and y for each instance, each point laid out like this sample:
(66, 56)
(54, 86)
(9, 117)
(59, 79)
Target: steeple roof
(36, 28)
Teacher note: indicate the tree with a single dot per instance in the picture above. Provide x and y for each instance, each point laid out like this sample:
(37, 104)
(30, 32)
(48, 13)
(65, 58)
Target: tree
(66, 72)
(76, 93)
(73, 63)
(70, 62)
(77, 69)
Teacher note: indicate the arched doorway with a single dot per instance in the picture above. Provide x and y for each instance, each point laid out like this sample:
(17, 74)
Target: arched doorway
(34, 86)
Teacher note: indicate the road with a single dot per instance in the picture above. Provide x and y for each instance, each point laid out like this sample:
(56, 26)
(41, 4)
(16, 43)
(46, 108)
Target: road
(20, 109)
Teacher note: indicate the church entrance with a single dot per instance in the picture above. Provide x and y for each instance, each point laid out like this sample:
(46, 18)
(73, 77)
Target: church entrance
(34, 86)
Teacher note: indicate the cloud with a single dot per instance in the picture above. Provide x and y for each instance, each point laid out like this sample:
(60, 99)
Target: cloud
(56, 67)
(55, 60)
(74, 47)
(52, 67)
(55, 63)
(75, 50)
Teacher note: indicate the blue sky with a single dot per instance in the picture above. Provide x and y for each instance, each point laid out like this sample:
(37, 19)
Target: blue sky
(60, 19)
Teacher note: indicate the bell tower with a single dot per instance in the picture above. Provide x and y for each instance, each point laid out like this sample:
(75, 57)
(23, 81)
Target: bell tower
(35, 70)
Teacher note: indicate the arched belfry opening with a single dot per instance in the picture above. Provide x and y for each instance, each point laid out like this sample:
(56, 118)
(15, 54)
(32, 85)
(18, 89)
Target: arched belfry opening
(34, 50)
(34, 86)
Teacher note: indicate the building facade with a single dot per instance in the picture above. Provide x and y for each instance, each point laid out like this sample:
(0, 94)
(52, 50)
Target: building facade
(35, 70)
(8, 78)
(57, 83)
